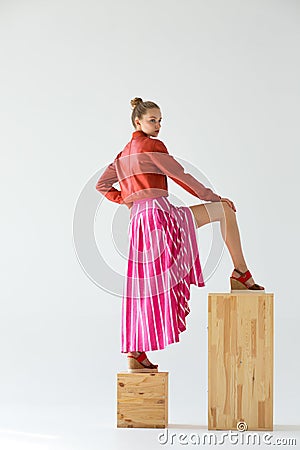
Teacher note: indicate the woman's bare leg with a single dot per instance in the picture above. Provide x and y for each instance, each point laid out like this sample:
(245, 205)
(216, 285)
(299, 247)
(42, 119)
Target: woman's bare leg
(222, 212)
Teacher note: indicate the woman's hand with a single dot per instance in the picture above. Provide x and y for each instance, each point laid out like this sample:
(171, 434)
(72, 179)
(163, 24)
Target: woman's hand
(230, 203)
(129, 205)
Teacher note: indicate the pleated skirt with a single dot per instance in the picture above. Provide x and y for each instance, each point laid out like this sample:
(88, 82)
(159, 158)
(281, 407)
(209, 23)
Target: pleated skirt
(163, 261)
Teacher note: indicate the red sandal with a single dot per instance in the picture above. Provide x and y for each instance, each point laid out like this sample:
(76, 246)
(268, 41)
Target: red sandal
(242, 283)
(135, 364)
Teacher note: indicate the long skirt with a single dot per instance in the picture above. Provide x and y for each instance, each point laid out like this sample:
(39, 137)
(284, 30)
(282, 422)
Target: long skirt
(163, 261)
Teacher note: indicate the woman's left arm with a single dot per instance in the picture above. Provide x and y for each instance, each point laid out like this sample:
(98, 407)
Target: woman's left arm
(170, 167)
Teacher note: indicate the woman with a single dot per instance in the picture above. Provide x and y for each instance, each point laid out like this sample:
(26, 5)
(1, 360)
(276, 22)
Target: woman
(163, 258)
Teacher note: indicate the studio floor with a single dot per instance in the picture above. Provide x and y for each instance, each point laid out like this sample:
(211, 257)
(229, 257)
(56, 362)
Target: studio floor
(71, 427)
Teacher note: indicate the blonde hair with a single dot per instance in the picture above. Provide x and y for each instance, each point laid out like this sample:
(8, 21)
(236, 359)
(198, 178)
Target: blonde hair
(140, 108)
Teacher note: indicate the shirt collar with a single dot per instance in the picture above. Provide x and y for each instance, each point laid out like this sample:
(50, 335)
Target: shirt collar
(138, 133)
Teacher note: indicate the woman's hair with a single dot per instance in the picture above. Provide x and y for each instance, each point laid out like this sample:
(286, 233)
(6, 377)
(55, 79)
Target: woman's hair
(140, 108)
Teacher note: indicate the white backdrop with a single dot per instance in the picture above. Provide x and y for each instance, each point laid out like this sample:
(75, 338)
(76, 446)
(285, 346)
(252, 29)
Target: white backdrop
(226, 76)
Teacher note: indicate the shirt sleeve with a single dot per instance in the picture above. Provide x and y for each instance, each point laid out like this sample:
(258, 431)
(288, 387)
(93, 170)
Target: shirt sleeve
(170, 167)
(105, 184)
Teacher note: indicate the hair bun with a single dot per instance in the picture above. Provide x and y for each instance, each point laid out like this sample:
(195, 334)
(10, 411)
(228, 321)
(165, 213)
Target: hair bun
(135, 101)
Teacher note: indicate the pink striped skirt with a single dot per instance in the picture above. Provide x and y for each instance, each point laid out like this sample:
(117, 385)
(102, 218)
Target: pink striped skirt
(163, 262)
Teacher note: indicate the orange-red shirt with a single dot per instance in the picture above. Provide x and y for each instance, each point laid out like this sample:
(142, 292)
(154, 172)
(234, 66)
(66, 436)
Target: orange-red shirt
(141, 169)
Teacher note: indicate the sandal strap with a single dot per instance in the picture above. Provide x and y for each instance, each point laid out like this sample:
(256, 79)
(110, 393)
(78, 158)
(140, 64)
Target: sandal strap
(243, 276)
(244, 279)
(141, 357)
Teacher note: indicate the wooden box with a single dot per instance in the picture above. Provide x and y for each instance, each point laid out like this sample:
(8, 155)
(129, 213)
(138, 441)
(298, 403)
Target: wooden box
(240, 361)
(142, 400)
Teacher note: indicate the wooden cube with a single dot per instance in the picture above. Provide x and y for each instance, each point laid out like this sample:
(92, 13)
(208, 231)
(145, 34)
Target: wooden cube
(142, 400)
(240, 361)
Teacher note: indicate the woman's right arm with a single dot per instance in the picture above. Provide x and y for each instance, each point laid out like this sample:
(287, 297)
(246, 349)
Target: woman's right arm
(105, 184)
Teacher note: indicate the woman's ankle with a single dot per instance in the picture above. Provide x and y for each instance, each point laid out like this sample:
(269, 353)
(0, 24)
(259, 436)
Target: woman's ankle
(135, 354)
(241, 268)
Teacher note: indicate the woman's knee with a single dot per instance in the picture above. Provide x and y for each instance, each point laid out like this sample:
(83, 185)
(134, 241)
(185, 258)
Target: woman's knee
(228, 211)
(228, 214)
(212, 212)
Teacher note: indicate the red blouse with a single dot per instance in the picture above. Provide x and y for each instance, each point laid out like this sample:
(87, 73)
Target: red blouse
(141, 169)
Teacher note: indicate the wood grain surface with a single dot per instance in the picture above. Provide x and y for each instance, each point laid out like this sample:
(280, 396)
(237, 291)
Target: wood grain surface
(240, 360)
(142, 400)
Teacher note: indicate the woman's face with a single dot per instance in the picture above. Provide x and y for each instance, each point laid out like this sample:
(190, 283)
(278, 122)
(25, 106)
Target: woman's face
(150, 122)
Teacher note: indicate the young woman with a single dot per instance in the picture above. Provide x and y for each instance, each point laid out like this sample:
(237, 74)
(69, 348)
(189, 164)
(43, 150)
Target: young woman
(163, 258)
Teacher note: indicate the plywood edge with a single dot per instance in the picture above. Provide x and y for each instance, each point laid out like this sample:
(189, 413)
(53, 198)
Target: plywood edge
(240, 293)
(125, 372)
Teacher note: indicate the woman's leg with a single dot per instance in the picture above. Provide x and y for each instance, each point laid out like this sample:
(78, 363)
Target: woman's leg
(222, 212)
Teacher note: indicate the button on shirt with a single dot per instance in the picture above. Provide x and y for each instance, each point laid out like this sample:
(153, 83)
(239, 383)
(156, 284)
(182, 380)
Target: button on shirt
(141, 169)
